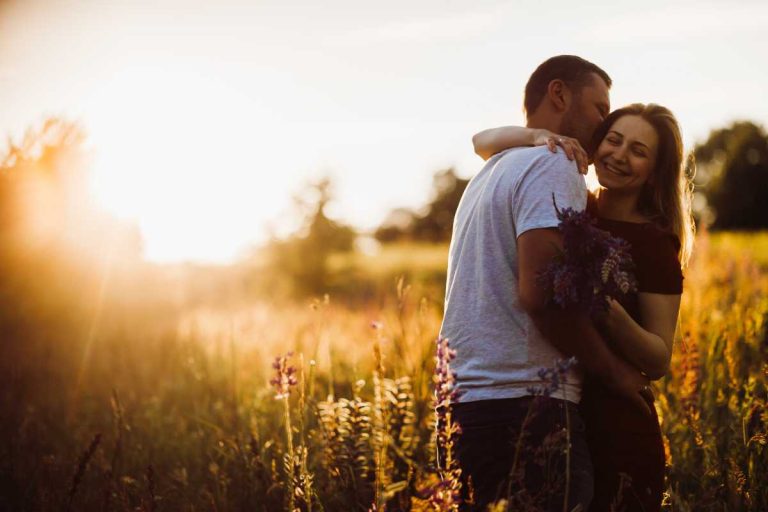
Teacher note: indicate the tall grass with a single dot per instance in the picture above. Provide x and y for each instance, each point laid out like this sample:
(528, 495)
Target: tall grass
(713, 403)
(186, 419)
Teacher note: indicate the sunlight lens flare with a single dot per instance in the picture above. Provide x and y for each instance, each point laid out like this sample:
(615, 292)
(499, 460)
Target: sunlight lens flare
(175, 153)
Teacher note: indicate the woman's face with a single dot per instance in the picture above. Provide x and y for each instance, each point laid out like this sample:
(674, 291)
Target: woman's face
(626, 157)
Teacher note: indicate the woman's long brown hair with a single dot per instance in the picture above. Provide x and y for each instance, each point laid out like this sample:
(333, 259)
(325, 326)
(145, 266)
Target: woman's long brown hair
(666, 198)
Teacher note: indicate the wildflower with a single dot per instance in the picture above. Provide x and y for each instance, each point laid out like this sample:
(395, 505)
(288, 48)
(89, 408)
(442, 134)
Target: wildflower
(552, 378)
(592, 266)
(445, 378)
(445, 394)
(445, 494)
(285, 376)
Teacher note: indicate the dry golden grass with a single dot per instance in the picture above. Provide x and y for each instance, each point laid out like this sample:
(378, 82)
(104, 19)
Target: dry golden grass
(189, 421)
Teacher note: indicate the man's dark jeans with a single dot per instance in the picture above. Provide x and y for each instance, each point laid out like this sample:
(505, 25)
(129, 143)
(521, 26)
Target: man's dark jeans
(491, 441)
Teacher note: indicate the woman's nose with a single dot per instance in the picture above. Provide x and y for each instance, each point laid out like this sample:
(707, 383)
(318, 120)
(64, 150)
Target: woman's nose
(620, 154)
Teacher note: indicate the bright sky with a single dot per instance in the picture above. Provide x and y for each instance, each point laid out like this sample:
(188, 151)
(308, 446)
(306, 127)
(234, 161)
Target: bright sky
(206, 117)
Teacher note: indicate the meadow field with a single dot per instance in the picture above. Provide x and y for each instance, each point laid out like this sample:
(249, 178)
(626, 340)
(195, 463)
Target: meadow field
(143, 405)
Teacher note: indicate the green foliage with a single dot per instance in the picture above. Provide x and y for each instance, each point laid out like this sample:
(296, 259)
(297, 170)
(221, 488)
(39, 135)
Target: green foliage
(106, 403)
(70, 276)
(733, 172)
(301, 260)
(53, 238)
(195, 426)
(714, 403)
(436, 221)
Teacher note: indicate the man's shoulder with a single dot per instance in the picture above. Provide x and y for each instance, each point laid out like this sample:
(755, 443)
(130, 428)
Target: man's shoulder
(547, 173)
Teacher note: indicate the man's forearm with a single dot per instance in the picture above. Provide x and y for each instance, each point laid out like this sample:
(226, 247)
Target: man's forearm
(573, 334)
(570, 331)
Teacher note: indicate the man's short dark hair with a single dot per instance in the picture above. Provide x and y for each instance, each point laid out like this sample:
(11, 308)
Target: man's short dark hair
(574, 71)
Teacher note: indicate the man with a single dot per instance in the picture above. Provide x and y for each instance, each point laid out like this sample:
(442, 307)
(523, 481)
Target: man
(499, 319)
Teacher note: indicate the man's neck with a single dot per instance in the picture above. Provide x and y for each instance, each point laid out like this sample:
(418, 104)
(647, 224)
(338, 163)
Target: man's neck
(544, 121)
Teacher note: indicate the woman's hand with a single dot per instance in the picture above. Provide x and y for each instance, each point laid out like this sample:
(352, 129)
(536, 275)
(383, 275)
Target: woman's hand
(616, 316)
(571, 146)
(648, 346)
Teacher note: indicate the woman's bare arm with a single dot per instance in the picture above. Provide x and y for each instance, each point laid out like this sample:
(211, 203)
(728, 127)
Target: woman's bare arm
(495, 140)
(647, 346)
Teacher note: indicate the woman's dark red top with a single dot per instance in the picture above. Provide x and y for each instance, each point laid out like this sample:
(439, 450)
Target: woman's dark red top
(623, 439)
(657, 269)
(654, 252)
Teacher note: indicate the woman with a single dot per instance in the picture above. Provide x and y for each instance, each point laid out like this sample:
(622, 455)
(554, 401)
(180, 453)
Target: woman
(645, 199)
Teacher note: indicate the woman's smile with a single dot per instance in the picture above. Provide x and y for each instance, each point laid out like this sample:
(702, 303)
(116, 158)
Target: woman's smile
(615, 168)
(626, 156)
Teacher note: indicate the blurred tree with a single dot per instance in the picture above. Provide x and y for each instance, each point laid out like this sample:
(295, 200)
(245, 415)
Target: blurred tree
(302, 258)
(72, 285)
(435, 223)
(396, 226)
(732, 171)
(45, 204)
(56, 245)
(322, 231)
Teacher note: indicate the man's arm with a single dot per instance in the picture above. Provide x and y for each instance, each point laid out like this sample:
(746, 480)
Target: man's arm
(570, 331)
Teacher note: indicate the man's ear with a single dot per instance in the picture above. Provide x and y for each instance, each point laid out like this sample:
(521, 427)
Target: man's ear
(559, 94)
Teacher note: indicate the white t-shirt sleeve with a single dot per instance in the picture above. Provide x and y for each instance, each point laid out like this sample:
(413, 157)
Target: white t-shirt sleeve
(532, 200)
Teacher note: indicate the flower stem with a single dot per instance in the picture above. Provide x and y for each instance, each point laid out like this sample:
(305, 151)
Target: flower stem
(289, 444)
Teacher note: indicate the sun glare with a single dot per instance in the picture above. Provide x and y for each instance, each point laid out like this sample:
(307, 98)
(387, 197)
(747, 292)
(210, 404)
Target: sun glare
(174, 152)
(592, 183)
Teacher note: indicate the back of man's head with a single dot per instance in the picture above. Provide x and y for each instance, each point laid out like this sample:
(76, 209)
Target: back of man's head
(574, 71)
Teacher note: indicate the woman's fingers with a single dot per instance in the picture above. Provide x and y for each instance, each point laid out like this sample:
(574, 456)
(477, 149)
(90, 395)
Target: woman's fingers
(552, 145)
(578, 154)
(572, 149)
(568, 147)
(556, 140)
(581, 159)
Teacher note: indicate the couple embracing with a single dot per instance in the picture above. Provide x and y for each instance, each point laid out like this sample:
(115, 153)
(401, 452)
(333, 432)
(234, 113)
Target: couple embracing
(594, 443)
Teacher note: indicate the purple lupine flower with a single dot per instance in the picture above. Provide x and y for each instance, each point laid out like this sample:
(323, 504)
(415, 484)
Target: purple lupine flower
(446, 493)
(446, 393)
(592, 266)
(445, 378)
(285, 376)
(552, 378)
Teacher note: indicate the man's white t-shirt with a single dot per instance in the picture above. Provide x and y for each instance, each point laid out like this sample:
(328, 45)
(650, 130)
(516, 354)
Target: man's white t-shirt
(498, 349)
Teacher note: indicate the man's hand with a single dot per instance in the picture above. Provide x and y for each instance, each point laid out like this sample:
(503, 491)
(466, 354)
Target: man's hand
(569, 330)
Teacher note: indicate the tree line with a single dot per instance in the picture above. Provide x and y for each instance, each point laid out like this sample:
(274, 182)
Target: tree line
(731, 182)
(45, 211)
(730, 172)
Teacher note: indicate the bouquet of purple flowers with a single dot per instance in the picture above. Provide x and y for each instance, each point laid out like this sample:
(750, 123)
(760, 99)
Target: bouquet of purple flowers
(593, 265)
